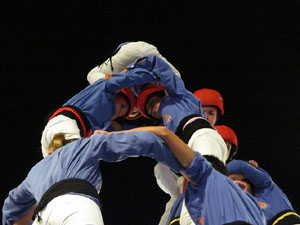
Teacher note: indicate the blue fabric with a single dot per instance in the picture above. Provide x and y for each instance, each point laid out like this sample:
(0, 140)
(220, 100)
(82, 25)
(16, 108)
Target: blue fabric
(96, 101)
(179, 103)
(216, 199)
(268, 194)
(80, 159)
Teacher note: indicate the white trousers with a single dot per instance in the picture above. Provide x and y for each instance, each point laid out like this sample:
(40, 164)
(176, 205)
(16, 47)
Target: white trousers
(127, 54)
(70, 209)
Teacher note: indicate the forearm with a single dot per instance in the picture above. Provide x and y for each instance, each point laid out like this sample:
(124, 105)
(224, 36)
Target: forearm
(173, 84)
(134, 77)
(257, 176)
(182, 151)
(26, 219)
(117, 146)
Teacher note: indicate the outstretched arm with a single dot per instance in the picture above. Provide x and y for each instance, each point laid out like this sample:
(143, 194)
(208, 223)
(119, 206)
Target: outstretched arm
(182, 152)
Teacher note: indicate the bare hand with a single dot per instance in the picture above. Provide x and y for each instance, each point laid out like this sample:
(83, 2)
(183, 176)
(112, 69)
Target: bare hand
(108, 76)
(253, 163)
(100, 131)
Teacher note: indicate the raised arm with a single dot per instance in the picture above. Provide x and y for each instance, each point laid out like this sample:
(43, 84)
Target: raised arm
(257, 176)
(173, 84)
(135, 77)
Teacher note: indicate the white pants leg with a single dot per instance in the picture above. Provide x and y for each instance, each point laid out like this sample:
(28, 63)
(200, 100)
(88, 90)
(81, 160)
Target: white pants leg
(127, 54)
(185, 218)
(71, 209)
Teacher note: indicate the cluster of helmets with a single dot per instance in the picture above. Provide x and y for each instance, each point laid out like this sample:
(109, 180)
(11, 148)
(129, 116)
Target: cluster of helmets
(208, 97)
(137, 104)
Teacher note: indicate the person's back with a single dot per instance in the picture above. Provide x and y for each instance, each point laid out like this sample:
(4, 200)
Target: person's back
(80, 160)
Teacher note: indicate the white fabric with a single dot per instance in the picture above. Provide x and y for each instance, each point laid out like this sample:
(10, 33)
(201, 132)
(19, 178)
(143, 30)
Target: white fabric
(58, 124)
(126, 55)
(180, 184)
(207, 141)
(71, 209)
(164, 218)
(166, 180)
(171, 184)
(185, 218)
(95, 75)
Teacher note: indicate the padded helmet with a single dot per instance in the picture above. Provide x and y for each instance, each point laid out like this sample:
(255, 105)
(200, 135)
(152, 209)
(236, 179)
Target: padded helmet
(228, 135)
(210, 97)
(144, 94)
(131, 115)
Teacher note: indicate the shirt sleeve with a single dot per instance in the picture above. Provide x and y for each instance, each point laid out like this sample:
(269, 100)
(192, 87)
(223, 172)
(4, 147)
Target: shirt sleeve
(18, 202)
(114, 147)
(134, 77)
(257, 176)
(199, 168)
(167, 78)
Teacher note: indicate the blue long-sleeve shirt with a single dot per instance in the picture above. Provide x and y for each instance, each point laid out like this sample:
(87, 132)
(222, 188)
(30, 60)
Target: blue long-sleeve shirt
(80, 159)
(179, 102)
(270, 197)
(214, 198)
(96, 101)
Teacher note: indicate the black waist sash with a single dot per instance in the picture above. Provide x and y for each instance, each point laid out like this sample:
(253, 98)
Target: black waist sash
(63, 187)
(286, 217)
(186, 132)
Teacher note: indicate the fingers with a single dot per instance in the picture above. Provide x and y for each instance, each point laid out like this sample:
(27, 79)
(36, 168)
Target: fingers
(100, 131)
(253, 163)
(108, 76)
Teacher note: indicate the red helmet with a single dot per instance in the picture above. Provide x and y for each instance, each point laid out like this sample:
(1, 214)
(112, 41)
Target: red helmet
(144, 94)
(132, 115)
(210, 97)
(228, 135)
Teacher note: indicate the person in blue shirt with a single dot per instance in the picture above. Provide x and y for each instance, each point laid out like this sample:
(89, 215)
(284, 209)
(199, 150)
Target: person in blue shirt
(178, 108)
(210, 197)
(170, 102)
(256, 181)
(65, 185)
(95, 107)
(124, 55)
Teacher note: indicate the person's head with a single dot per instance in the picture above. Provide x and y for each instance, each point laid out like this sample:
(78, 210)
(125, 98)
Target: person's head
(66, 128)
(59, 140)
(230, 139)
(149, 99)
(216, 163)
(212, 104)
(125, 102)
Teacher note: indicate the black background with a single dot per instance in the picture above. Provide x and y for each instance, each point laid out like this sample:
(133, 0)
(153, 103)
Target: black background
(247, 50)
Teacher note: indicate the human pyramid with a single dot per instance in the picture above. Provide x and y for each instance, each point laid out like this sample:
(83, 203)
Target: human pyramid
(137, 105)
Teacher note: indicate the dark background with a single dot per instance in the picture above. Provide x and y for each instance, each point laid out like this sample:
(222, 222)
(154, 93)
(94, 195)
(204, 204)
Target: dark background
(247, 50)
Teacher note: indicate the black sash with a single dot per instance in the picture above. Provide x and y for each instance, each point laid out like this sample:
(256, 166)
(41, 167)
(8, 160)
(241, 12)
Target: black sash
(63, 187)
